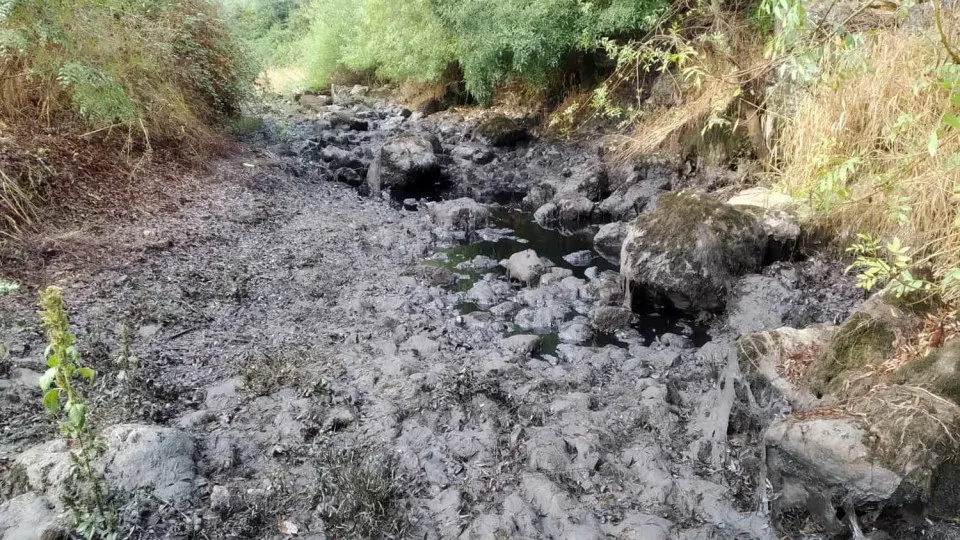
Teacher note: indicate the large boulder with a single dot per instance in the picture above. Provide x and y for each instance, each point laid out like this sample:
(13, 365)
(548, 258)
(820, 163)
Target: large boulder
(158, 459)
(463, 214)
(501, 131)
(687, 252)
(894, 447)
(405, 162)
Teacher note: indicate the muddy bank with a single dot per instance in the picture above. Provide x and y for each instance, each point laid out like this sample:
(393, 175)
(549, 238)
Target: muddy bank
(343, 353)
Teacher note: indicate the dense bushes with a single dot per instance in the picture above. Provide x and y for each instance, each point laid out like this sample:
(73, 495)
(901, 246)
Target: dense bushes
(492, 41)
(164, 69)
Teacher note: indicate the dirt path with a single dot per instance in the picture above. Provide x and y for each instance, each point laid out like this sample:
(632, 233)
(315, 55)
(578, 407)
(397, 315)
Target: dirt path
(331, 382)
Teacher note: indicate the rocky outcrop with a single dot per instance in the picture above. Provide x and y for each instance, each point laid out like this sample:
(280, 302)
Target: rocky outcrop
(894, 447)
(501, 131)
(407, 162)
(686, 253)
(609, 239)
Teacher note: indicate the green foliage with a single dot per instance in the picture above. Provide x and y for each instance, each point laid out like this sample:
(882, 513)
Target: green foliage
(415, 40)
(166, 69)
(93, 518)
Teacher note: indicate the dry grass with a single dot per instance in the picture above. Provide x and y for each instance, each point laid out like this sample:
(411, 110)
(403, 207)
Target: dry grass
(936, 330)
(878, 104)
(729, 63)
(798, 361)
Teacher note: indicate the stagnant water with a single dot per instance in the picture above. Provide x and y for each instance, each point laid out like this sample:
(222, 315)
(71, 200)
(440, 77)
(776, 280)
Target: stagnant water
(552, 244)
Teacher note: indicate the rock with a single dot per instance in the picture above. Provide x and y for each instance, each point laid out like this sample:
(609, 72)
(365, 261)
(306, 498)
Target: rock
(526, 266)
(773, 362)
(759, 303)
(430, 106)
(579, 258)
(687, 252)
(878, 451)
(547, 215)
(313, 102)
(779, 214)
(575, 332)
(609, 319)
(864, 341)
(462, 214)
(501, 131)
(574, 213)
(32, 517)
(542, 319)
(47, 467)
(220, 499)
(524, 343)
(482, 294)
(160, 459)
(609, 239)
(405, 162)
(629, 201)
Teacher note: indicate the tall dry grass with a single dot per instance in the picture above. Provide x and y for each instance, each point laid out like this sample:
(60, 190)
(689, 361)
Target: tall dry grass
(857, 144)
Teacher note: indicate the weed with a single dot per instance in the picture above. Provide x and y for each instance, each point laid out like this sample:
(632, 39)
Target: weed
(86, 497)
(269, 372)
(360, 493)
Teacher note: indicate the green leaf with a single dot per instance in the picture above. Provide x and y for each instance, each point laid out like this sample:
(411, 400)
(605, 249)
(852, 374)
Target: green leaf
(955, 99)
(933, 143)
(51, 400)
(87, 373)
(47, 379)
(951, 120)
(78, 415)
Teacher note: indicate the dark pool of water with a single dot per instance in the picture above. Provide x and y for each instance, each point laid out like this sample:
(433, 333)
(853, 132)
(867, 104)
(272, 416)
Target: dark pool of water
(554, 245)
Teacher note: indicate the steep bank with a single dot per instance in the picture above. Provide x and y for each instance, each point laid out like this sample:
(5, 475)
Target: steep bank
(323, 360)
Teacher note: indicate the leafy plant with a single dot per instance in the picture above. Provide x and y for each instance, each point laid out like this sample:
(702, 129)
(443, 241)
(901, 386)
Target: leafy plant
(93, 517)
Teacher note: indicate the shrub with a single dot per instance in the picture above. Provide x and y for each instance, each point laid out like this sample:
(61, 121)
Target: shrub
(498, 40)
(164, 69)
(416, 40)
(874, 145)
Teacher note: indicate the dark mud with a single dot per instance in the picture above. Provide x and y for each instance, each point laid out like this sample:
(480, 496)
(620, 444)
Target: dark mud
(318, 346)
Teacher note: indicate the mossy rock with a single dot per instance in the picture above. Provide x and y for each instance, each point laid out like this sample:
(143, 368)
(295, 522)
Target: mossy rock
(865, 340)
(502, 131)
(938, 372)
(687, 252)
(911, 432)
(894, 446)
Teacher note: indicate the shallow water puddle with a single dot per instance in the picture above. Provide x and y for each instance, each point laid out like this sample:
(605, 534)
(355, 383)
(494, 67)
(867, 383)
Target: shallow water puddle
(513, 231)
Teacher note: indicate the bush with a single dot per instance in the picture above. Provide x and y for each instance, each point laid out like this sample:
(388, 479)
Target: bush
(165, 69)
(416, 40)
(530, 40)
(874, 145)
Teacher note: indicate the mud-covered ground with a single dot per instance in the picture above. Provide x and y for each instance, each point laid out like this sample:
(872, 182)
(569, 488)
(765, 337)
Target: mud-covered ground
(342, 366)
